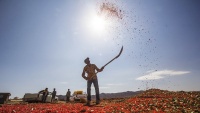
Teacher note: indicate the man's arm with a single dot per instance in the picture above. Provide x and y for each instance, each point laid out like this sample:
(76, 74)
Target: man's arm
(83, 74)
(41, 91)
(99, 70)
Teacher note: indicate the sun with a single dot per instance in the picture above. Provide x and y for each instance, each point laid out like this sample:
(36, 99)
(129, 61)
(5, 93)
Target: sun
(98, 24)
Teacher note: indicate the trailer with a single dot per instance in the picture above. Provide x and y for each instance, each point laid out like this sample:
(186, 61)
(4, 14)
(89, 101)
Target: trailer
(37, 97)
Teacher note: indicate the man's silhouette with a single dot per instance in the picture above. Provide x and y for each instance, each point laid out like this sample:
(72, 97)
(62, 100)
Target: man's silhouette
(68, 94)
(91, 78)
(45, 94)
(53, 95)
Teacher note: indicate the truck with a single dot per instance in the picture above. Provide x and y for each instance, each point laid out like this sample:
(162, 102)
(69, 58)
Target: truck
(78, 96)
(4, 97)
(37, 97)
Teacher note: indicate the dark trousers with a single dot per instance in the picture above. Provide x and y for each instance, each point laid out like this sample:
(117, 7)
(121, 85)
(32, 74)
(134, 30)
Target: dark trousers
(96, 86)
(67, 98)
(53, 98)
(44, 97)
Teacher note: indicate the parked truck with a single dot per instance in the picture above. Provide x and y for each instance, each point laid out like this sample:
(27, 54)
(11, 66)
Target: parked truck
(79, 96)
(4, 97)
(37, 97)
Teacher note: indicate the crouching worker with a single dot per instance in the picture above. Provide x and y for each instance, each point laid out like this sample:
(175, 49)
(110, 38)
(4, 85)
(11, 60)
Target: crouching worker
(45, 94)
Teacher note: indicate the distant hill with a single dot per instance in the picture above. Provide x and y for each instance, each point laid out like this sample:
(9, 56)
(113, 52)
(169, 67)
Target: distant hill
(61, 97)
(111, 95)
(118, 95)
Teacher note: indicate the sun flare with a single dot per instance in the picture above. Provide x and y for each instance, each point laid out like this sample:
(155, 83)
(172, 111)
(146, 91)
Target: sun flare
(98, 24)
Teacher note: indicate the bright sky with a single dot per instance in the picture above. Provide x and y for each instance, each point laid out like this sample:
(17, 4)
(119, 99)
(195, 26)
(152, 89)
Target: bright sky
(44, 43)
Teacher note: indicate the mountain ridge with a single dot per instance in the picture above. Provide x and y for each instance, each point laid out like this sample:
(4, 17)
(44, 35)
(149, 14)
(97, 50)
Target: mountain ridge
(110, 95)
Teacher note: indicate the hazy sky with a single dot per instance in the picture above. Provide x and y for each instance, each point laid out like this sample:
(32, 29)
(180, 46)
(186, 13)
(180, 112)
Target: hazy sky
(44, 43)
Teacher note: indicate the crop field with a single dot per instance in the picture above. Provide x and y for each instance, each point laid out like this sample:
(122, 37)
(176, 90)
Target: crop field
(150, 101)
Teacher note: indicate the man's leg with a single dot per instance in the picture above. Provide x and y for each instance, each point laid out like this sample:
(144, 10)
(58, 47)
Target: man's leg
(52, 98)
(89, 83)
(96, 86)
(43, 97)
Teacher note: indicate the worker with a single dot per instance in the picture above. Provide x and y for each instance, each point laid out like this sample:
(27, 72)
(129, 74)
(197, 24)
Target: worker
(68, 94)
(53, 95)
(91, 78)
(45, 94)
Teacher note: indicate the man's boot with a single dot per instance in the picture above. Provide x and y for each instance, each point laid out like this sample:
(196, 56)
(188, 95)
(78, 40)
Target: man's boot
(97, 102)
(88, 103)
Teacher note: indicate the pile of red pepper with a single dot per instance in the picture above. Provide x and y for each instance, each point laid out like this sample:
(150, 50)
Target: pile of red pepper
(153, 100)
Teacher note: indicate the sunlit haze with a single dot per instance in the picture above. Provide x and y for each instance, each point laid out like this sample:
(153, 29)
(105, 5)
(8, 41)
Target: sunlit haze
(98, 24)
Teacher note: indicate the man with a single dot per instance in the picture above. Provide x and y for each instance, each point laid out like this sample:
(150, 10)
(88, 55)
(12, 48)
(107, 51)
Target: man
(91, 78)
(53, 95)
(68, 94)
(45, 94)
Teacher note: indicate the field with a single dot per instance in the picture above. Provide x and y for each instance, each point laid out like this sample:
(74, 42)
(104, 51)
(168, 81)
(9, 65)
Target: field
(153, 101)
